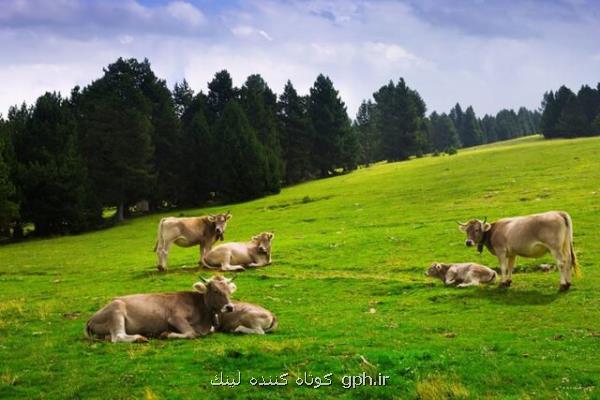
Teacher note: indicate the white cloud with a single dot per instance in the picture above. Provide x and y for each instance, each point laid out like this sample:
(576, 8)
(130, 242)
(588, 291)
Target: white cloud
(186, 13)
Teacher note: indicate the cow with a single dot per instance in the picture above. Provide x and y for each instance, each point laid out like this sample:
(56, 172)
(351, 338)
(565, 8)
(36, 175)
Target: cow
(462, 274)
(238, 256)
(529, 236)
(246, 318)
(176, 315)
(186, 232)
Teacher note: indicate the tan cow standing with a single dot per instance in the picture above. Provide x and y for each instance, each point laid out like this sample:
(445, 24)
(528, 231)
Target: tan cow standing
(190, 314)
(186, 232)
(247, 318)
(529, 236)
(238, 256)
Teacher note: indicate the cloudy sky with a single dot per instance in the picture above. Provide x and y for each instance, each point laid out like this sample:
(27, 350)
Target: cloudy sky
(491, 54)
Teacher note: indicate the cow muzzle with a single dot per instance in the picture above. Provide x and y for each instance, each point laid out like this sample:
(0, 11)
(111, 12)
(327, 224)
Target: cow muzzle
(227, 308)
(469, 243)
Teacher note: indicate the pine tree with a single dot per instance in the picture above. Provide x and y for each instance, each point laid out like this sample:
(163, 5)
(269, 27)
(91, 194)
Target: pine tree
(116, 137)
(367, 133)
(9, 209)
(333, 143)
(573, 121)
(589, 99)
(259, 103)
(199, 156)
(183, 96)
(471, 132)
(443, 133)
(457, 116)
(400, 112)
(220, 92)
(296, 136)
(55, 194)
(243, 164)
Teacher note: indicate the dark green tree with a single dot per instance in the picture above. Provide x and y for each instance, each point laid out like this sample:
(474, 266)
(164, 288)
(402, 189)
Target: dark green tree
(573, 121)
(55, 192)
(260, 105)
(333, 143)
(243, 164)
(183, 96)
(9, 209)
(367, 133)
(220, 92)
(295, 133)
(443, 133)
(400, 111)
(471, 132)
(116, 137)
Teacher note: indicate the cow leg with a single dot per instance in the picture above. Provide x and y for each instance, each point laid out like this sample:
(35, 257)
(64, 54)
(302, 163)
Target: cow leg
(467, 284)
(117, 325)
(504, 266)
(563, 262)
(163, 253)
(258, 264)
(186, 331)
(226, 266)
(249, 331)
(450, 278)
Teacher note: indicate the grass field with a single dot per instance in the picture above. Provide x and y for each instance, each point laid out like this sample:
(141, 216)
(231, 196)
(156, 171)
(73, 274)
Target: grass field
(347, 285)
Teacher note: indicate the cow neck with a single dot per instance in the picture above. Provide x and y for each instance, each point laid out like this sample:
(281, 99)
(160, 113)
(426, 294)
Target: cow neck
(485, 239)
(209, 316)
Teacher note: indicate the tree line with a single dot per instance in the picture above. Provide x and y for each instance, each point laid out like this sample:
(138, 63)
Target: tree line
(127, 137)
(568, 115)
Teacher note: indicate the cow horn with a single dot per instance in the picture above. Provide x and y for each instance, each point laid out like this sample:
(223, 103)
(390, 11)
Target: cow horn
(233, 278)
(484, 219)
(228, 212)
(202, 279)
(461, 223)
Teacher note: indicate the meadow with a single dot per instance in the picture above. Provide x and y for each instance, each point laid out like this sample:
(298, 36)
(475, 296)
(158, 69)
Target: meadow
(347, 284)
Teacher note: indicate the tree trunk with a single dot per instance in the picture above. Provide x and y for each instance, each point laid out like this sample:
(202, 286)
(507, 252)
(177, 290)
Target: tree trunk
(120, 216)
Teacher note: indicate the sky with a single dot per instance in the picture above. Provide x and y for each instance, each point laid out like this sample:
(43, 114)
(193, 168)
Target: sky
(489, 54)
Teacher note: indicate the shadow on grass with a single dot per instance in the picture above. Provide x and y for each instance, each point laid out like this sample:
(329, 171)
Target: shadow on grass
(512, 297)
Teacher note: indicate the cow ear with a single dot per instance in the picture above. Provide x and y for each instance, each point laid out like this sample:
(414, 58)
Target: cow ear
(487, 226)
(229, 216)
(438, 267)
(270, 235)
(462, 227)
(256, 238)
(211, 218)
(200, 287)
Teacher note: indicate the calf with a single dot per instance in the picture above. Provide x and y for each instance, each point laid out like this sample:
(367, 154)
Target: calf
(238, 256)
(529, 236)
(190, 314)
(247, 318)
(462, 274)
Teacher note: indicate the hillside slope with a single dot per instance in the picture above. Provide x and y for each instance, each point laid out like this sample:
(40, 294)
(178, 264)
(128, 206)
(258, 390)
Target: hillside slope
(347, 285)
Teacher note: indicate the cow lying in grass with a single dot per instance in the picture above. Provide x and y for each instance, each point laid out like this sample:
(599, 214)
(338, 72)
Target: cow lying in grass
(247, 318)
(462, 274)
(177, 315)
(238, 256)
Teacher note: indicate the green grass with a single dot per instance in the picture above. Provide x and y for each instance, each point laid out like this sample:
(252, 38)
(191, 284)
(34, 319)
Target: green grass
(357, 242)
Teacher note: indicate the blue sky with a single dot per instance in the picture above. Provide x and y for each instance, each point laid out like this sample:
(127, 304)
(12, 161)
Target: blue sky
(491, 54)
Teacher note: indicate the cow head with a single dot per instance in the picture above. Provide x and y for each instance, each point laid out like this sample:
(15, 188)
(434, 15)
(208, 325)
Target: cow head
(437, 270)
(216, 292)
(219, 222)
(264, 240)
(475, 230)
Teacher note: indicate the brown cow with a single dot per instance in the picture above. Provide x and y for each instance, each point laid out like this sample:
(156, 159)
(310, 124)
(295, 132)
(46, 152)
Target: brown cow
(236, 256)
(191, 314)
(186, 232)
(462, 274)
(529, 236)
(247, 318)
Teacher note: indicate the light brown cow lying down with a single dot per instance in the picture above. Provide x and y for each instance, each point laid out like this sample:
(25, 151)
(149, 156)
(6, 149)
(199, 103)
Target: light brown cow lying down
(462, 274)
(191, 314)
(238, 256)
(247, 318)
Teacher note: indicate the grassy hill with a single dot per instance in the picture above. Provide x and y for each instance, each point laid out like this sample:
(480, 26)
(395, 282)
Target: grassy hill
(347, 285)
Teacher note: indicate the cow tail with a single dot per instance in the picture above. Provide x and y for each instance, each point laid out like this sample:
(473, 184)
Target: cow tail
(274, 325)
(574, 264)
(159, 234)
